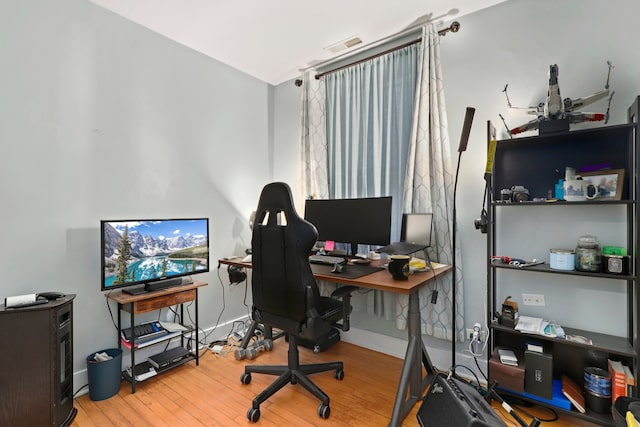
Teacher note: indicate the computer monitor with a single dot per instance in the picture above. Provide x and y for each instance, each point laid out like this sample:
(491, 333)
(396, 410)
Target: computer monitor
(364, 221)
(416, 228)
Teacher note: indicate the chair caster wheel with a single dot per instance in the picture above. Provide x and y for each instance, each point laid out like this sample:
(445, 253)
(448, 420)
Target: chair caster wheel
(246, 379)
(253, 414)
(324, 411)
(339, 374)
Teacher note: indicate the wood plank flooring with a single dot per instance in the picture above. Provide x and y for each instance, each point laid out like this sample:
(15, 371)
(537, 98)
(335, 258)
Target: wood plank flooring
(211, 394)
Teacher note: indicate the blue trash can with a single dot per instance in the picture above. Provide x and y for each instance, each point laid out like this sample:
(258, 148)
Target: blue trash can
(104, 376)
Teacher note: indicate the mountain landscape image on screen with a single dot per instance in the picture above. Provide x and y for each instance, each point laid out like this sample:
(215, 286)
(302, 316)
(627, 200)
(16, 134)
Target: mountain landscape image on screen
(152, 250)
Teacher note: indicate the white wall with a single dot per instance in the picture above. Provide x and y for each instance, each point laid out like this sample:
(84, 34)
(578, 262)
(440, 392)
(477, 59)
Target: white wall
(102, 119)
(515, 42)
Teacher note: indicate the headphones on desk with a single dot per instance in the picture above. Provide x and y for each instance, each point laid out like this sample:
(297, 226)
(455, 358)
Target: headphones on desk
(236, 274)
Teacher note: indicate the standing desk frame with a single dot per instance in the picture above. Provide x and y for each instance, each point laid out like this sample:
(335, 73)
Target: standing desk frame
(412, 384)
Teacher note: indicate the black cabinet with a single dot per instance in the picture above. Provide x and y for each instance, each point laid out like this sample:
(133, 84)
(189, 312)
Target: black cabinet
(537, 163)
(36, 364)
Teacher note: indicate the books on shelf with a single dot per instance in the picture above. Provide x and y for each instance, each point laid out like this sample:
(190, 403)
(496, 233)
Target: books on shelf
(573, 392)
(618, 380)
(631, 380)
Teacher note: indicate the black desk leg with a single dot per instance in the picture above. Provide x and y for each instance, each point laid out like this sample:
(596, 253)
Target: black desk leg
(416, 356)
(197, 332)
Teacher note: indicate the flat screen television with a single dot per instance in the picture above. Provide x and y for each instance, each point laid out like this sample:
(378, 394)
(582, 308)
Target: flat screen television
(364, 221)
(156, 253)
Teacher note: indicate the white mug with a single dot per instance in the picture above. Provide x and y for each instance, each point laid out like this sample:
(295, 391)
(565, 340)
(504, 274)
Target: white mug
(574, 190)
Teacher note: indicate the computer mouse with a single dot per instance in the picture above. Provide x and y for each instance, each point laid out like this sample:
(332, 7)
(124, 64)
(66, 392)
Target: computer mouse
(338, 268)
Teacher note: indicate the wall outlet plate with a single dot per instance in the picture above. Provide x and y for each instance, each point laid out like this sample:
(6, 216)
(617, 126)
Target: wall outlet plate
(533, 299)
(483, 335)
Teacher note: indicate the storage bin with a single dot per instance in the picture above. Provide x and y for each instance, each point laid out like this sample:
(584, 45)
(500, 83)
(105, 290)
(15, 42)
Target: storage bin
(104, 376)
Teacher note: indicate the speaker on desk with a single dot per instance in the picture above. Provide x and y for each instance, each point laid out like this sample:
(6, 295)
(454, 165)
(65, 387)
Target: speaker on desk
(454, 403)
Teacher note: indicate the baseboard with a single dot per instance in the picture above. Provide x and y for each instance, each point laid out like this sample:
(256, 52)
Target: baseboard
(441, 359)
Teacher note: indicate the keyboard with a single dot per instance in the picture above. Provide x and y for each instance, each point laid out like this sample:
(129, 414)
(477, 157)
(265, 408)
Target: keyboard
(327, 259)
(144, 331)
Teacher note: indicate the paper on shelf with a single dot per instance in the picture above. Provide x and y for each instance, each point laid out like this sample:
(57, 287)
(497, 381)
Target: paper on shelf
(173, 327)
(531, 325)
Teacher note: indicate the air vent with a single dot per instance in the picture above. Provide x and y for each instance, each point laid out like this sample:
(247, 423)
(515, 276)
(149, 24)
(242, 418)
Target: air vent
(344, 44)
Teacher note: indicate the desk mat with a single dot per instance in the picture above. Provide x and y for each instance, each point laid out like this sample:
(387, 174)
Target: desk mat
(350, 271)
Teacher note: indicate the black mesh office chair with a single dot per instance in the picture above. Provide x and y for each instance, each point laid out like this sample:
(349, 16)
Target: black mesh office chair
(285, 294)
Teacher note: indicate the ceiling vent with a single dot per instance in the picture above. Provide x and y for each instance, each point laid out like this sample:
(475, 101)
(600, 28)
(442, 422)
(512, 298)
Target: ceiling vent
(344, 44)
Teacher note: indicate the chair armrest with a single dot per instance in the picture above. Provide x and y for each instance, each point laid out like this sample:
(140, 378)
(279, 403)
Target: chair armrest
(341, 291)
(314, 326)
(344, 293)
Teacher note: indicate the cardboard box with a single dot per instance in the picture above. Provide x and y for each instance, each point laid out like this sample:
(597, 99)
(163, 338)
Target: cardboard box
(507, 376)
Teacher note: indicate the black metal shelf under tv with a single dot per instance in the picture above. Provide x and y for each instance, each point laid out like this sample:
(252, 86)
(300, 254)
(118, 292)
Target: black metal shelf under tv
(535, 162)
(151, 301)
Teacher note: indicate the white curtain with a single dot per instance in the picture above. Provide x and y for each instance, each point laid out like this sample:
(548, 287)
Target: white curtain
(429, 188)
(380, 128)
(314, 169)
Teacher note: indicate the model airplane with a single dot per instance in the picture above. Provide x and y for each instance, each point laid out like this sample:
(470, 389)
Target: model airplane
(554, 108)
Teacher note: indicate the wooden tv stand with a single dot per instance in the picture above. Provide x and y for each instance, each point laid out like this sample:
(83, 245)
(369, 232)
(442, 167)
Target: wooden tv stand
(151, 301)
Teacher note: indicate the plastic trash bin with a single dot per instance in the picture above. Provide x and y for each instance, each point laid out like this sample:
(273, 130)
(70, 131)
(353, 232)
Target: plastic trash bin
(104, 376)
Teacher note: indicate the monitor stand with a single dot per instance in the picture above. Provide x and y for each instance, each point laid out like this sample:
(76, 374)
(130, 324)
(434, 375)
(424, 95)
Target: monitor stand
(354, 250)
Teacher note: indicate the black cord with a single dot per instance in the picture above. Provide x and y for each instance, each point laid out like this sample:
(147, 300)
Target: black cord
(475, 359)
(543, 420)
(479, 386)
(244, 300)
(223, 305)
(110, 312)
(79, 390)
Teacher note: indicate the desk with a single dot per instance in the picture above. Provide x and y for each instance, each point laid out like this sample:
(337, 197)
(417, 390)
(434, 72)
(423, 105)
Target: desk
(411, 385)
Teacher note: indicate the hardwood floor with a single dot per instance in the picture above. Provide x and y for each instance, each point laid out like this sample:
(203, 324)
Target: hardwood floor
(211, 394)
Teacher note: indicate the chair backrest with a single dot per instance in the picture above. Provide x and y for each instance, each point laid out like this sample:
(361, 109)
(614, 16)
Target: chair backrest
(280, 245)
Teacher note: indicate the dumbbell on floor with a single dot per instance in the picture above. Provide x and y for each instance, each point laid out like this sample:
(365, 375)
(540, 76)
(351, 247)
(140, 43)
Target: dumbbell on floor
(251, 351)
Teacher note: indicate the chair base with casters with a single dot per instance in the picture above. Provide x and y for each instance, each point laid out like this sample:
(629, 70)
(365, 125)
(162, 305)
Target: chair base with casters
(292, 373)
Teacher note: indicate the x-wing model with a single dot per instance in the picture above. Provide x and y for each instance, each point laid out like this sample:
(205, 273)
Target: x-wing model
(555, 114)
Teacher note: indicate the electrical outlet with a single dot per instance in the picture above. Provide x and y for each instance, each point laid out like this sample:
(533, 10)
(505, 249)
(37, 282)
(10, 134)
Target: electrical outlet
(469, 333)
(533, 299)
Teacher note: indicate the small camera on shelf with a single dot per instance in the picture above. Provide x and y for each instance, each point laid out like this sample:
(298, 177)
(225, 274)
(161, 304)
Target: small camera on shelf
(516, 193)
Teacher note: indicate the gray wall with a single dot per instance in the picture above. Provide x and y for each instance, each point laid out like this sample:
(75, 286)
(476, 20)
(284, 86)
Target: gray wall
(515, 42)
(102, 119)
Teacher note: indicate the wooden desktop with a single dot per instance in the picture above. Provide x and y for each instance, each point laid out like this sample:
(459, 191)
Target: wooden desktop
(412, 384)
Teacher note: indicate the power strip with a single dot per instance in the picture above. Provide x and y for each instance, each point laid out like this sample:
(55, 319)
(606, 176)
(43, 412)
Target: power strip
(217, 349)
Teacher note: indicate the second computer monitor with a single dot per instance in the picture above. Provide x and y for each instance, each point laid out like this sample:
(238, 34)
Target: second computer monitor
(416, 228)
(365, 221)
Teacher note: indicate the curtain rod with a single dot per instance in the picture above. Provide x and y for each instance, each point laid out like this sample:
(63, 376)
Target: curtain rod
(454, 27)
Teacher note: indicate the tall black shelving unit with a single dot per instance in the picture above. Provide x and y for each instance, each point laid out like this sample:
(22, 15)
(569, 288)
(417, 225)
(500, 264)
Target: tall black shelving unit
(535, 162)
